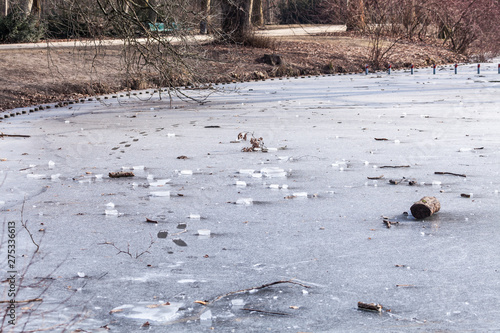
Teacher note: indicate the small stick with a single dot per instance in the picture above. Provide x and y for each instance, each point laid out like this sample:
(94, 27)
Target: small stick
(120, 174)
(24, 301)
(14, 135)
(394, 166)
(268, 312)
(370, 307)
(379, 177)
(381, 139)
(449, 173)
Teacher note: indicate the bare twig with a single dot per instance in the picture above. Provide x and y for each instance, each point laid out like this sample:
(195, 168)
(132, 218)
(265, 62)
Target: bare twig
(25, 301)
(394, 166)
(14, 135)
(450, 173)
(25, 226)
(268, 312)
(127, 251)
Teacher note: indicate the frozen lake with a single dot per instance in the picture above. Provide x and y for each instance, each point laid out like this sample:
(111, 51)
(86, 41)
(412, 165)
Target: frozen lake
(308, 209)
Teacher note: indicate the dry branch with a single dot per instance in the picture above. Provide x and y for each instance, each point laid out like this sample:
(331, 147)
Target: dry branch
(24, 301)
(370, 306)
(268, 312)
(394, 166)
(14, 135)
(449, 173)
(120, 174)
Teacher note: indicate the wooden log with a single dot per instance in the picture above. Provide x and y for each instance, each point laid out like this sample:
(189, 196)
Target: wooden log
(425, 207)
(370, 306)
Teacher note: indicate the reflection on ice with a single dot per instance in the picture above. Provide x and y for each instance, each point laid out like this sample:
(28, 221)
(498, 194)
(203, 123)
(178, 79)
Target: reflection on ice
(146, 311)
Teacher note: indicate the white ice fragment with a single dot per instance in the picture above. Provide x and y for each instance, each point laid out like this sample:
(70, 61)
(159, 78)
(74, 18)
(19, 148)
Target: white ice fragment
(284, 187)
(138, 167)
(274, 186)
(110, 205)
(98, 176)
(246, 171)
(152, 109)
(2, 203)
(159, 182)
(207, 315)
(51, 164)
(160, 194)
(186, 172)
(36, 176)
(194, 216)
(150, 177)
(81, 274)
(341, 169)
(281, 158)
(171, 135)
(111, 212)
(203, 232)
(55, 177)
(436, 183)
(66, 121)
(256, 175)
(366, 162)
(300, 194)
(496, 192)
(272, 149)
(375, 166)
(471, 195)
(244, 201)
(238, 302)
(40, 214)
(273, 172)
(305, 292)
(397, 142)
(335, 165)
(464, 149)
(32, 165)
(241, 183)
(126, 168)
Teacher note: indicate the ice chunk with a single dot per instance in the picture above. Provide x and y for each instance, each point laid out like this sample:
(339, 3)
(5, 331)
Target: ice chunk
(274, 186)
(207, 315)
(126, 168)
(238, 302)
(55, 177)
(203, 232)
(171, 135)
(284, 187)
(2, 203)
(36, 176)
(150, 177)
(246, 171)
(272, 149)
(98, 176)
(138, 167)
(240, 183)
(273, 172)
(397, 142)
(436, 183)
(159, 182)
(186, 172)
(464, 149)
(257, 175)
(81, 274)
(194, 216)
(300, 194)
(111, 212)
(160, 194)
(110, 205)
(244, 201)
(51, 164)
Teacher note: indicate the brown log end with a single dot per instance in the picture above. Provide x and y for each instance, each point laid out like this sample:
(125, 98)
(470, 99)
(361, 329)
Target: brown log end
(425, 207)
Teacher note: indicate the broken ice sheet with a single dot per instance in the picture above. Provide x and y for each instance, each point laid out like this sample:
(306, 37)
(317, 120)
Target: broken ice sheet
(146, 311)
(244, 201)
(273, 172)
(179, 242)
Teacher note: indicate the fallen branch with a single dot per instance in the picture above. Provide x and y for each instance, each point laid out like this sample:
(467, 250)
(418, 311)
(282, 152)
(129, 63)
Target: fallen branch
(14, 135)
(24, 301)
(257, 288)
(381, 139)
(268, 312)
(373, 178)
(449, 173)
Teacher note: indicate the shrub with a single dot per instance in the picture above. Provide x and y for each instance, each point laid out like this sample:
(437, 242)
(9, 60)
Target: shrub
(16, 27)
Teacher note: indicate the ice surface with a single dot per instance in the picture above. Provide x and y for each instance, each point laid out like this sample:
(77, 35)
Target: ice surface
(335, 242)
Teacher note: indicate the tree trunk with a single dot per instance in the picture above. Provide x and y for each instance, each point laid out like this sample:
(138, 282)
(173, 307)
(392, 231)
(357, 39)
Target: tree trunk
(236, 19)
(258, 13)
(355, 20)
(5, 8)
(425, 207)
(205, 12)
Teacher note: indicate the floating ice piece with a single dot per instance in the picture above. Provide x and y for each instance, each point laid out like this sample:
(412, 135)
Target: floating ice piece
(274, 186)
(281, 158)
(246, 171)
(397, 142)
(138, 167)
(194, 216)
(171, 135)
(110, 205)
(496, 192)
(238, 302)
(207, 315)
(51, 164)
(35, 176)
(98, 176)
(2, 203)
(66, 121)
(273, 172)
(244, 201)
(81, 274)
(284, 187)
(55, 176)
(126, 168)
(300, 194)
(111, 212)
(203, 232)
(366, 162)
(241, 183)
(305, 292)
(145, 311)
(159, 182)
(186, 172)
(256, 175)
(272, 149)
(436, 183)
(160, 194)
(464, 149)
(150, 177)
